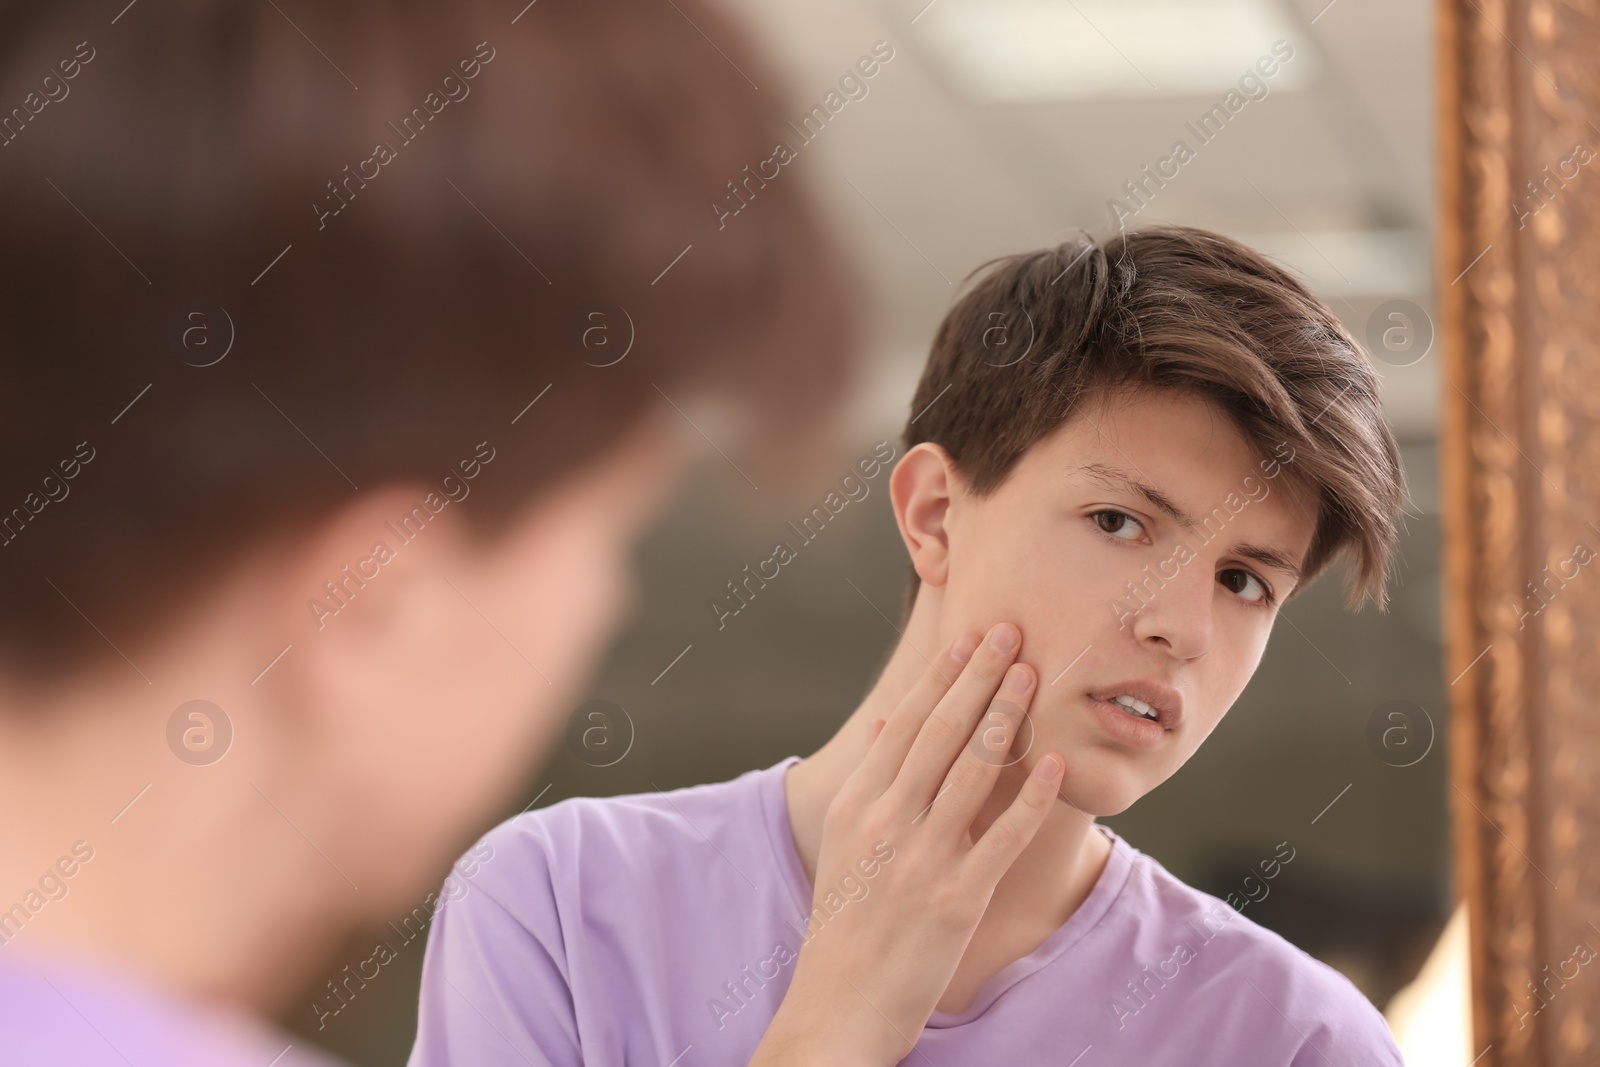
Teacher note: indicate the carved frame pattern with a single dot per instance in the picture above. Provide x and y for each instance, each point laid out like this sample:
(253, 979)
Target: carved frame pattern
(1519, 304)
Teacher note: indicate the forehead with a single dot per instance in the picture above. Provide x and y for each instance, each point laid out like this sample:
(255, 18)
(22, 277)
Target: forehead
(1185, 448)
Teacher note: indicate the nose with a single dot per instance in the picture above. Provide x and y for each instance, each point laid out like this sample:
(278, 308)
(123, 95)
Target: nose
(1177, 616)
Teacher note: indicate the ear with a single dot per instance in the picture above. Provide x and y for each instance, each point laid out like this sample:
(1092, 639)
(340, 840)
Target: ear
(347, 560)
(922, 487)
(358, 590)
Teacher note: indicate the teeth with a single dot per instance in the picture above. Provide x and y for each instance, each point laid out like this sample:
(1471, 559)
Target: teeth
(1138, 707)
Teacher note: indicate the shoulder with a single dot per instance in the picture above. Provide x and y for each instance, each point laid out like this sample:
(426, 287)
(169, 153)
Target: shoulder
(595, 848)
(637, 828)
(46, 1005)
(569, 928)
(1273, 979)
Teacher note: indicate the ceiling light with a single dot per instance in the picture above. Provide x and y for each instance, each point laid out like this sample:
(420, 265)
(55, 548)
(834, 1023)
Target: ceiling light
(1041, 50)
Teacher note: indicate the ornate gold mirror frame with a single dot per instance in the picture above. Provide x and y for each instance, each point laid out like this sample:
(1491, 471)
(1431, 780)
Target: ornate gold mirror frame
(1519, 303)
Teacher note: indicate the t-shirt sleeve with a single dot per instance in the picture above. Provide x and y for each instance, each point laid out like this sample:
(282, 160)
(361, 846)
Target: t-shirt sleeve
(1350, 1033)
(494, 991)
(1359, 1050)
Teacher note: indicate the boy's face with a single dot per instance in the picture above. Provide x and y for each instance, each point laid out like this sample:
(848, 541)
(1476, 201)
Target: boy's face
(1155, 489)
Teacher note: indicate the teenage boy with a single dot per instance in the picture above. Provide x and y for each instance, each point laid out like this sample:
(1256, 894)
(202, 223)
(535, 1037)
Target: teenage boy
(247, 708)
(1116, 516)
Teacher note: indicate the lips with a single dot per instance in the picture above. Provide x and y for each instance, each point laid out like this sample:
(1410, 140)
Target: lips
(1135, 696)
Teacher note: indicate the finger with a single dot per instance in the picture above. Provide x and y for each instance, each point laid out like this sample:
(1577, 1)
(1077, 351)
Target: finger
(1007, 836)
(948, 728)
(992, 746)
(875, 730)
(885, 757)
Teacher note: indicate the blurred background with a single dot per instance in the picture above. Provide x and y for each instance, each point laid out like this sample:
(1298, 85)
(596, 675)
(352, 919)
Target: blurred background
(1003, 125)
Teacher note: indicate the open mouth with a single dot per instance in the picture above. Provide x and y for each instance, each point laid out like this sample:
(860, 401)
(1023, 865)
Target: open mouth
(1142, 700)
(1136, 707)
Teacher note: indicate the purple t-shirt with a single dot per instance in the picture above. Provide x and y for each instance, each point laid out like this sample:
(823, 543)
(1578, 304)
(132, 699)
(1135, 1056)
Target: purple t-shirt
(55, 1012)
(660, 930)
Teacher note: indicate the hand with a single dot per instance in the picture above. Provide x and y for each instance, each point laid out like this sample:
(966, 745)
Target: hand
(867, 980)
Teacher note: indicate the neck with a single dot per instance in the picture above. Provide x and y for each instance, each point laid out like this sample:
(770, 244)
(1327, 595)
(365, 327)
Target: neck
(193, 881)
(1057, 869)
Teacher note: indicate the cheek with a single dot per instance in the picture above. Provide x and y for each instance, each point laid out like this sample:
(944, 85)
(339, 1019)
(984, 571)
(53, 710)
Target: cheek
(1058, 584)
(1001, 562)
(1236, 653)
(550, 599)
(1241, 643)
(560, 599)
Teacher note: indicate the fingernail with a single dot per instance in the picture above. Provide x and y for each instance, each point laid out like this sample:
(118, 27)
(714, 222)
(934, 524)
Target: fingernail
(1017, 679)
(964, 647)
(1004, 638)
(1049, 769)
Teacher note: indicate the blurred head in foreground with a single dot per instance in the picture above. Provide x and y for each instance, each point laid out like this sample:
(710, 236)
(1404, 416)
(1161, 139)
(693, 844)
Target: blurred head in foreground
(345, 357)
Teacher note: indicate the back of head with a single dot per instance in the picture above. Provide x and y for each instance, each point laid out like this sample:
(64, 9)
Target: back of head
(1038, 336)
(255, 262)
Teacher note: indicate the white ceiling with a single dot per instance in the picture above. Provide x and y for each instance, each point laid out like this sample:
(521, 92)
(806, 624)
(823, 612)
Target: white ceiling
(1334, 176)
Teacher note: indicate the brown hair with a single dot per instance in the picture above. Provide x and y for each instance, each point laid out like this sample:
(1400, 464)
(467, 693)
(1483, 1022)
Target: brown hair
(1169, 307)
(387, 311)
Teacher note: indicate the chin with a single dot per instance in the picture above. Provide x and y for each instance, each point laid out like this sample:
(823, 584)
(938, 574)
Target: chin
(1097, 789)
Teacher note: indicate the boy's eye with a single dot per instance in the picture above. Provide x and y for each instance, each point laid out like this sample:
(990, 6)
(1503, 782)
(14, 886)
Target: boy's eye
(1245, 585)
(1119, 524)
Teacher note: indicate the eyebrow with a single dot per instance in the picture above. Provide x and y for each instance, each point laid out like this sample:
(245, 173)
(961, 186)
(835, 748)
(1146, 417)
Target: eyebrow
(1116, 479)
(1113, 478)
(1269, 558)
